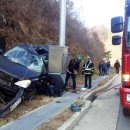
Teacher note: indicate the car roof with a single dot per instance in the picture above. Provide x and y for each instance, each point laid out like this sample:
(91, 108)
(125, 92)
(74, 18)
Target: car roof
(36, 49)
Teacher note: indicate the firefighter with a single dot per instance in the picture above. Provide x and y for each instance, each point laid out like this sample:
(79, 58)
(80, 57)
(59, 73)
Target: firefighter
(72, 69)
(88, 71)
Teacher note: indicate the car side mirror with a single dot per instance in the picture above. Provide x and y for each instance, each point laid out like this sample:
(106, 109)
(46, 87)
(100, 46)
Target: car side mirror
(116, 40)
(117, 24)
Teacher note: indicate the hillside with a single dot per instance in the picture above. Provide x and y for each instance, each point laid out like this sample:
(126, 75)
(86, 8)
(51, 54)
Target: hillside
(37, 22)
(106, 37)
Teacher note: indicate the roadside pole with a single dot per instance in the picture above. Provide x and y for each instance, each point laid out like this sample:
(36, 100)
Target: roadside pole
(58, 54)
(62, 29)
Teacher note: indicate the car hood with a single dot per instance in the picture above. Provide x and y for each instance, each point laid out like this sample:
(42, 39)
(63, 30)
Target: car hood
(18, 71)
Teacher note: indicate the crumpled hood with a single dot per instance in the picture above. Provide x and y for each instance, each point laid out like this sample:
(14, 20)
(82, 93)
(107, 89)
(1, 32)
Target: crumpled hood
(18, 71)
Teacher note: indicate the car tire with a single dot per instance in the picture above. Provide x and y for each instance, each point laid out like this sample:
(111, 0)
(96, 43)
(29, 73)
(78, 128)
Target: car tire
(126, 112)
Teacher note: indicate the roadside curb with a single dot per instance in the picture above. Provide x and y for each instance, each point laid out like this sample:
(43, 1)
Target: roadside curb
(87, 97)
(70, 123)
(93, 92)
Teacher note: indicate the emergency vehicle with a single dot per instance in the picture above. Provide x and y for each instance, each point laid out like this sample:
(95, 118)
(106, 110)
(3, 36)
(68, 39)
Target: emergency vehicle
(120, 24)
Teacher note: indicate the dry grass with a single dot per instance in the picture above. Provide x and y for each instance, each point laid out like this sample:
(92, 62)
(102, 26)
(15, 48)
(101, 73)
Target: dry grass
(80, 102)
(56, 122)
(60, 119)
(102, 82)
(26, 107)
(80, 78)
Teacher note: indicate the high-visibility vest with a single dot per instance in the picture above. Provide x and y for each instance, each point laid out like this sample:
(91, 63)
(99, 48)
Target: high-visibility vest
(87, 70)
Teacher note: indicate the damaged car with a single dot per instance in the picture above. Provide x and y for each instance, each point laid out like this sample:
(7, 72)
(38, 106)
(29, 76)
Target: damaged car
(23, 72)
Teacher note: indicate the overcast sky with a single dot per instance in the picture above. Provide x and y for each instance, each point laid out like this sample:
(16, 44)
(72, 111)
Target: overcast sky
(99, 12)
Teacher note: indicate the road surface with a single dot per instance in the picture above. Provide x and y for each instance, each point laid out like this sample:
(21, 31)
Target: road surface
(105, 112)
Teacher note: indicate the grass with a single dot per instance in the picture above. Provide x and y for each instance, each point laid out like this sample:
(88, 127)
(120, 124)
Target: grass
(60, 119)
(80, 79)
(56, 122)
(26, 107)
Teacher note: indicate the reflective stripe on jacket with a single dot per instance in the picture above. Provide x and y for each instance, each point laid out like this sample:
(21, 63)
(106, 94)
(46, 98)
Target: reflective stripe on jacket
(88, 68)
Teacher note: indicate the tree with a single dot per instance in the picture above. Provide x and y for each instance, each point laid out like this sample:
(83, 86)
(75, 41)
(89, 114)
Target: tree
(37, 21)
(107, 55)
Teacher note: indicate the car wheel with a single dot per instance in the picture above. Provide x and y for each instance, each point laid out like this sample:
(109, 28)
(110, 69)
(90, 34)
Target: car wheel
(30, 94)
(60, 93)
(126, 112)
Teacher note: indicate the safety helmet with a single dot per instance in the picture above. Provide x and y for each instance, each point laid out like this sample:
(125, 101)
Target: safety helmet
(78, 58)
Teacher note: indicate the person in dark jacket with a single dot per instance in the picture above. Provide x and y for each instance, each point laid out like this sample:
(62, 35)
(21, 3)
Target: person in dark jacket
(104, 68)
(100, 67)
(108, 67)
(88, 71)
(117, 66)
(72, 69)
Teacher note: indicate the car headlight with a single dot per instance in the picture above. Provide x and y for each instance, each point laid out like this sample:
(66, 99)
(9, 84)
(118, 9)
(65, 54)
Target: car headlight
(23, 83)
(126, 77)
(128, 97)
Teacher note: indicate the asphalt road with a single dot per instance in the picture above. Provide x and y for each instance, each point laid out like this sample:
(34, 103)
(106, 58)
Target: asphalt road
(123, 123)
(105, 113)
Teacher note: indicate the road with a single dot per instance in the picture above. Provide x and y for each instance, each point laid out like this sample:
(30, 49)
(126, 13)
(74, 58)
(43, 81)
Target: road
(105, 113)
(123, 123)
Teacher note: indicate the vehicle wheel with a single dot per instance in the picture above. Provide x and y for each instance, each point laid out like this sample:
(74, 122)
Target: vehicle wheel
(126, 112)
(60, 93)
(58, 83)
(30, 94)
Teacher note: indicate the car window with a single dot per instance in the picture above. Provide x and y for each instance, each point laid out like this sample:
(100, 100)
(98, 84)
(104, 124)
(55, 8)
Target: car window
(25, 58)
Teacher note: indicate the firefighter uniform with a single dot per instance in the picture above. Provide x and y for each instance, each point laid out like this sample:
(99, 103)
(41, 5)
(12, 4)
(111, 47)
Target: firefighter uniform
(88, 71)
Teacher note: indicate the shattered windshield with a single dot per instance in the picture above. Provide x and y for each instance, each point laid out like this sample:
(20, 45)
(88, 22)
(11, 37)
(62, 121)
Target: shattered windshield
(25, 58)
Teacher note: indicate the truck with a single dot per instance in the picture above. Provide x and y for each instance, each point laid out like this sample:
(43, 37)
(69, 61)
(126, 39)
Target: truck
(24, 72)
(121, 24)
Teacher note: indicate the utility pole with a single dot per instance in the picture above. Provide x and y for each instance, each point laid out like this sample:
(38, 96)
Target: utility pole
(58, 54)
(62, 23)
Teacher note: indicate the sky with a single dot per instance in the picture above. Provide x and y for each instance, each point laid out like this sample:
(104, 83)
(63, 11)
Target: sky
(99, 12)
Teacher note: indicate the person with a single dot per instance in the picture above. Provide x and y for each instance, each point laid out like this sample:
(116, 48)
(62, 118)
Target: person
(48, 87)
(100, 67)
(117, 66)
(108, 67)
(88, 71)
(72, 69)
(104, 68)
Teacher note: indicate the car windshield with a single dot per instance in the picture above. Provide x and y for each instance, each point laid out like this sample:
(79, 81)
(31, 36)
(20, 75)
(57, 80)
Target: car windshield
(128, 33)
(25, 58)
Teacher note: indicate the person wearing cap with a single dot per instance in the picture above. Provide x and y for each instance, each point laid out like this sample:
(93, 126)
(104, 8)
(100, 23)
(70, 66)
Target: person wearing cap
(72, 69)
(88, 71)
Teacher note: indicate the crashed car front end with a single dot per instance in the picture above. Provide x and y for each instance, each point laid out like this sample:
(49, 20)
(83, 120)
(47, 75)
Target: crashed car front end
(20, 69)
(10, 94)
(24, 71)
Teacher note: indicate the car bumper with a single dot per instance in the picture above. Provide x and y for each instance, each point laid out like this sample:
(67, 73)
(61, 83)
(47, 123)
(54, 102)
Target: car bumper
(125, 97)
